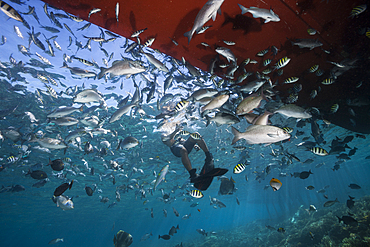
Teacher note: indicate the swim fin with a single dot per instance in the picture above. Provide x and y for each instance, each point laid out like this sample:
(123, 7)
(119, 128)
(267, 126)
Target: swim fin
(204, 183)
(205, 177)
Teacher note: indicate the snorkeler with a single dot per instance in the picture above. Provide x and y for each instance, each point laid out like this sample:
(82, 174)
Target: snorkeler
(182, 148)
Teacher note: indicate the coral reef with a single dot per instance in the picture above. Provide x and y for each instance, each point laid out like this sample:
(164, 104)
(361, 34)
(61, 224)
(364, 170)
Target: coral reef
(319, 229)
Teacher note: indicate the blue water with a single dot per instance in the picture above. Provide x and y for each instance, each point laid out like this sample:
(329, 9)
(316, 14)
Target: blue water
(30, 218)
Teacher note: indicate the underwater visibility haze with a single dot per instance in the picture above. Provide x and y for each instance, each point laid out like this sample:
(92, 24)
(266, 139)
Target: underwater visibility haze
(108, 142)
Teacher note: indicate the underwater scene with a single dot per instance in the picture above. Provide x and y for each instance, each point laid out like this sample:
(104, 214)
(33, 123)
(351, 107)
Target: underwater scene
(107, 142)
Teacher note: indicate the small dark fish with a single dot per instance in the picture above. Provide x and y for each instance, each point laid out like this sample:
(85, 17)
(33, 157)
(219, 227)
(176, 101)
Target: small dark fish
(237, 201)
(336, 167)
(343, 157)
(56, 165)
(227, 186)
(151, 213)
(354, 186)
(63, 187)
(202, 231)
(173, 230)
(38, 174)
(352, 151)
(350, 202)
(165, 237)
(330, 203)
(280, 229)
(348, 220)
(89, 191)
(305, 174)
(175, 212)
(13, 188)
(348, 139)
(40, 183)
(308, 161)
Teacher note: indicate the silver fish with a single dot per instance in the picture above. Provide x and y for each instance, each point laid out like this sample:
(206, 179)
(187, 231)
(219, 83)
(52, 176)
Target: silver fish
(119, 68)
(257, 134)
(227, 53)
(87, 96)
(307, 43)
(266, 14)
(208, 11)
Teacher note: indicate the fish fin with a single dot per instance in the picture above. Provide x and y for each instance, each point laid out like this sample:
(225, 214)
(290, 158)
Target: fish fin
(244, 9)
(102, 72)
(236, 134)
(219, 11)
(208, 120)
(64, 65)
(214, 16)
(273, 135)
(189, 35)
(267, 20)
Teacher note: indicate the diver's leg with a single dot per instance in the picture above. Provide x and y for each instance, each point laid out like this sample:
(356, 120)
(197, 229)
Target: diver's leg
(187, 164)
(201, 143)
(185, 159)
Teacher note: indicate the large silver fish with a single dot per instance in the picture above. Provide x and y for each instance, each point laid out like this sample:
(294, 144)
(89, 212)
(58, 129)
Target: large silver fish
(87, 96)
(50, 143)
(120, 67)
(158, 64)
(120, 112)
(307, 43)
(227, 53)
(294, 111)
(79, 71)
(64, 111)
(208, 11)
(257, 134)
(266, 14)
(65, 121)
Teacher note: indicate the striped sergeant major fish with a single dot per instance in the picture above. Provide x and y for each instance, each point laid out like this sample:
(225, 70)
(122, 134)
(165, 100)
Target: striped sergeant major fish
(9, 11)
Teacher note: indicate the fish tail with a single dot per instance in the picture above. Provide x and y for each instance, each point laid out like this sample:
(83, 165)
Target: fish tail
(263, 96)
(208, 120)
(339, 219)
(244, 9)
(102, 72)
(236, 134)
(189, 35)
